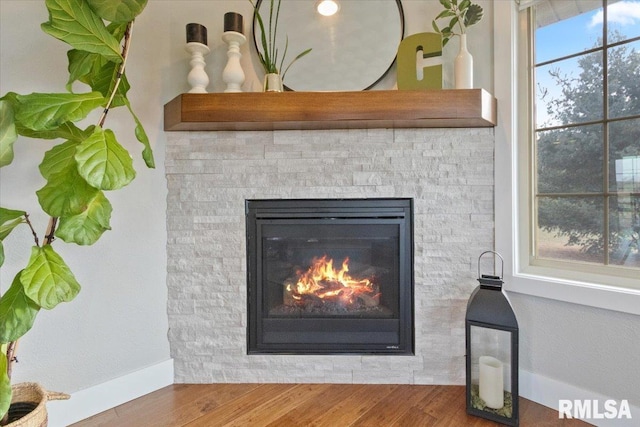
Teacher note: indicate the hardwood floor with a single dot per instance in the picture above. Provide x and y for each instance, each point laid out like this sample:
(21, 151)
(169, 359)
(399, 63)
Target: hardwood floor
(331, 405)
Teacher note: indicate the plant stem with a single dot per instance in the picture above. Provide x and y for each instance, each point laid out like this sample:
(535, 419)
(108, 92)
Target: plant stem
(461, 20)
(275, 35)
(119, 74)
(35, 235)
(10, 359)
(11, 348)
(51, 228)
(270, 26)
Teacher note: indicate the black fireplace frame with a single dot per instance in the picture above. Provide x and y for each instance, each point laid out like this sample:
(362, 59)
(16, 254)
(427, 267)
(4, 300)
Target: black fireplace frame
(355, 336)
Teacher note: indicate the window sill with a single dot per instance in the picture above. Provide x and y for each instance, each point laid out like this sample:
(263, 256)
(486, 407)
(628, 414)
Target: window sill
(598, 292)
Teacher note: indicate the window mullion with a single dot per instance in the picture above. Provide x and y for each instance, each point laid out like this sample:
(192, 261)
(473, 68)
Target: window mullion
(605, 130)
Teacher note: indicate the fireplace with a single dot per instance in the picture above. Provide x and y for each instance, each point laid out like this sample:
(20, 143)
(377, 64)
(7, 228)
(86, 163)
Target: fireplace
(330, 276)
(448, 173)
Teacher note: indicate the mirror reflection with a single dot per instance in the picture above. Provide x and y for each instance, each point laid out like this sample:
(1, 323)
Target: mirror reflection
(352, 49)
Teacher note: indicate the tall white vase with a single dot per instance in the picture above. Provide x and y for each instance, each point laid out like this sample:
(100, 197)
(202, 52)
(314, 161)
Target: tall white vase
(463, 66)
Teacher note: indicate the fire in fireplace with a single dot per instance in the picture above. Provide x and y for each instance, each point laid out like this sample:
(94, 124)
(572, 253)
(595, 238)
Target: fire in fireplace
(330, 276)
(322, 289)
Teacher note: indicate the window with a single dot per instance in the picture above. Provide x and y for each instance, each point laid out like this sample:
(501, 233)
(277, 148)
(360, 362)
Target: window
(585, 145)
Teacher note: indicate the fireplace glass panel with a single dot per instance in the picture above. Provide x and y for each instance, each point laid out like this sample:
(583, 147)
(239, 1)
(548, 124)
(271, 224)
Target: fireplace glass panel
(346, 270)
(330, 276)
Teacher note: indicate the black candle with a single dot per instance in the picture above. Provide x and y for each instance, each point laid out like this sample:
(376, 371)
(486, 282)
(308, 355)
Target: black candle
(196, 33)
(233, 22)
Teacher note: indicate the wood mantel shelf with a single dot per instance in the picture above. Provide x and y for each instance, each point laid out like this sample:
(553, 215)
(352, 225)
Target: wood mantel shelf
(448, 108)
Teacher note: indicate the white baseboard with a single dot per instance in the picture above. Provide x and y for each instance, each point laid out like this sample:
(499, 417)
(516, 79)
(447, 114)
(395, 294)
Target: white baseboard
(547, 391)
(91, 401)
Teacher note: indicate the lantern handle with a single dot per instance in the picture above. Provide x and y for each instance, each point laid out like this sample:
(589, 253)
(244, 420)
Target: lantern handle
(494, 263)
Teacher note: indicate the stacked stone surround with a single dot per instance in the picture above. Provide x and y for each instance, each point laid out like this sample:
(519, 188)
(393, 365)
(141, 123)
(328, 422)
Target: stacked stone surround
(448, 173)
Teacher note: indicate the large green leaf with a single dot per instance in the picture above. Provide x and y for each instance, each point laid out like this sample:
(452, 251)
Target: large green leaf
(147, 153)
(58, 159)
(473, 15)
(99, 74)
(81, 64)
(75, 23)
(66, 130)
(141, 135)
(8, 133)
(17, 312)
(7, 227)
(103, 81)
(117, 11)
(9, 215)
(103, 162)
(105, 75)
(445, 14)
(454, 21)
(47, 111)
(47, 280)
(118, 29)
(5, 386)
(9, 219)
(87, 227)
(65, 193)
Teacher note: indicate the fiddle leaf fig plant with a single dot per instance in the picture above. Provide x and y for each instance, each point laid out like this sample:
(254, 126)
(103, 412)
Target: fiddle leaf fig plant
(463, 15)
(82, 164)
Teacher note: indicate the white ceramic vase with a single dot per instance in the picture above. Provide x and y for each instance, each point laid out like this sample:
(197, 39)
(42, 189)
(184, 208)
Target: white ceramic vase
(463, 66)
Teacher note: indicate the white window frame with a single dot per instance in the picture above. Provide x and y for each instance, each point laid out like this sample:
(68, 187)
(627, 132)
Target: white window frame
(512, 214)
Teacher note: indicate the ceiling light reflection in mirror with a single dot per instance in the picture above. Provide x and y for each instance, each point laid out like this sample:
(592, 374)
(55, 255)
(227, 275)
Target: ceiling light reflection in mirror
(327, 7)
(351, 49)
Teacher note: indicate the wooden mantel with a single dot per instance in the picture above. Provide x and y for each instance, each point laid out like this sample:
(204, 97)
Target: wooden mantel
(447, 108)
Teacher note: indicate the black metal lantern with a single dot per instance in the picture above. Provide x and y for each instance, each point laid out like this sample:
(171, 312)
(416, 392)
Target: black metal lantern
(492, 351)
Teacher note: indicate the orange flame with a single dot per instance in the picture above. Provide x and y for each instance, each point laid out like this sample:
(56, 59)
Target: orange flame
(326, 282)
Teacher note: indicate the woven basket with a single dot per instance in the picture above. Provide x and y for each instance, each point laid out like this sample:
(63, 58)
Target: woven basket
(34, 393)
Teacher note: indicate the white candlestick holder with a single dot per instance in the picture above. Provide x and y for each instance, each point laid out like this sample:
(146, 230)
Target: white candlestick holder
(233, 75)
(197, 77)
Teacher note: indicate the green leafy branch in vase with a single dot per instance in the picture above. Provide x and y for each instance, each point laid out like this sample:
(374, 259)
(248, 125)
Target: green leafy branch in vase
(269, 55)
(79, 170)
(463, 15)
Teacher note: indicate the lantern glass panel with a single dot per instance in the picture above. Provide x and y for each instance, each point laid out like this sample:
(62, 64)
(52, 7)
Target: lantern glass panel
(491, 370)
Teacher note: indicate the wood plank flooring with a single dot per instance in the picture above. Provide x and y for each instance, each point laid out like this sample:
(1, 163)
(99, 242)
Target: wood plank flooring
(330, 405)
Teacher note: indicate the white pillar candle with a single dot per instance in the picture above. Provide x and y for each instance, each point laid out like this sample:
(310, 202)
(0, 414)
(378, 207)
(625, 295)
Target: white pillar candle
(491, 382)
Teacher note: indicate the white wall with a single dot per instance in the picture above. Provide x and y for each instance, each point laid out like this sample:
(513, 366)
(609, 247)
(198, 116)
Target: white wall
(118, 323)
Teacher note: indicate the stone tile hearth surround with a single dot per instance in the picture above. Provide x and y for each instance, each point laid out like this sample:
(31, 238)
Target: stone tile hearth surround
(448, 173)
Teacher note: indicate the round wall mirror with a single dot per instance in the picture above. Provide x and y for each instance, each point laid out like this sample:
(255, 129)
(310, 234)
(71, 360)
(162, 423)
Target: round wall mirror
(352, 49)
